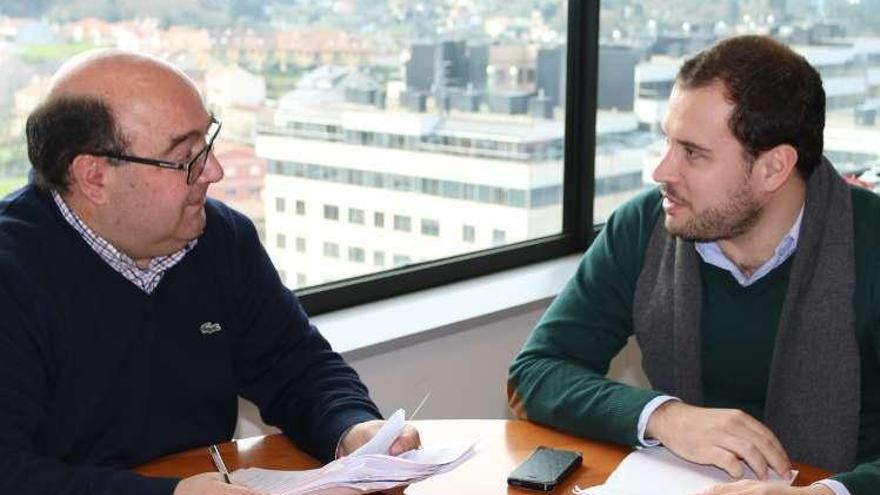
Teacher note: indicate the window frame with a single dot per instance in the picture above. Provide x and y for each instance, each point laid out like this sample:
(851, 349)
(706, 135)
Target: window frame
(582, 56)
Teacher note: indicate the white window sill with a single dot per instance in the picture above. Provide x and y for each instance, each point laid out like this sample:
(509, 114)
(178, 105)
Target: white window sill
(401, 321)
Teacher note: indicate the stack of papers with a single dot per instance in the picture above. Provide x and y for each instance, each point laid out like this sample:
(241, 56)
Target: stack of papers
(367, 469)
(646, 469)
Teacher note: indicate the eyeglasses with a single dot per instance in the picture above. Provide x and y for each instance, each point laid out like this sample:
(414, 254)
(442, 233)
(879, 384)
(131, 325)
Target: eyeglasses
(194, 167)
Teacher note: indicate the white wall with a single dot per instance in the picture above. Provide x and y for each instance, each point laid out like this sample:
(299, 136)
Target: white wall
(465, 370)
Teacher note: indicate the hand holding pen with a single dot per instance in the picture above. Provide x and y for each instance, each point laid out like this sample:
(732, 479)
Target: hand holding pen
(210, 483)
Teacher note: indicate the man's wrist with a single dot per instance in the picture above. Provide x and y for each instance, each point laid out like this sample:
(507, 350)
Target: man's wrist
(829, 487)
(650, 408)
(339, 451)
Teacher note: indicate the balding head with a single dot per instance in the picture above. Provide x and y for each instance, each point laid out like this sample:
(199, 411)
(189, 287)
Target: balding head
(103, 101)
(113, 75)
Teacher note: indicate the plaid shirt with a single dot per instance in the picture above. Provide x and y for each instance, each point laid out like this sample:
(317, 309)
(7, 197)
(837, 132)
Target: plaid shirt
(145, 278)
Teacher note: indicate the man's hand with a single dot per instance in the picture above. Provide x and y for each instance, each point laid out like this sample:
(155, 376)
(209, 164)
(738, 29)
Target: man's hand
(751, 487)
(210, 484)
(721, 437)
(361, 433)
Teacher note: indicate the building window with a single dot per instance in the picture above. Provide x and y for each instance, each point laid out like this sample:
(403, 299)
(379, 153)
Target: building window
(331, 212)
(279, 205)
(468, 233)
(402, 223)
(356, 216)
(430, 227)
(498, 237)
(356, 254)
(300, 207)
(300, 244)
(379, 219)
(379, 258)
(401, 259)
(281, 241)
(301, 280)
(331, 250)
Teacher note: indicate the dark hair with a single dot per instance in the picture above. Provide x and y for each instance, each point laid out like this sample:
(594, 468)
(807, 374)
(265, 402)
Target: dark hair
(61, 128)
(777, 95)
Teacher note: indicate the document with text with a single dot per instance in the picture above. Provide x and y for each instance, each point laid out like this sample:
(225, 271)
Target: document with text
(367, 469)
(646, 469)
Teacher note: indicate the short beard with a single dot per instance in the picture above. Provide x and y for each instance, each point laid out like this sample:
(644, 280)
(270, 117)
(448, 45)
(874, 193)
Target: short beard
(733, 218)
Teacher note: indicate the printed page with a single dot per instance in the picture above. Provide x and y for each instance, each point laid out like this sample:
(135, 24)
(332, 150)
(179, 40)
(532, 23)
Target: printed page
(645, 469)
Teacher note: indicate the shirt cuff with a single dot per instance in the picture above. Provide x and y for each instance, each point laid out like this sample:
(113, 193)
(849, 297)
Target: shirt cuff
(647, 411)
(837, 487)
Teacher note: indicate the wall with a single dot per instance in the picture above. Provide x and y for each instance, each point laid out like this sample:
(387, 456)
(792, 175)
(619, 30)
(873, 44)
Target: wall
(464, 370)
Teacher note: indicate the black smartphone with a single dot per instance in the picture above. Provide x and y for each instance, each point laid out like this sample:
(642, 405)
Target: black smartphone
(544, 469)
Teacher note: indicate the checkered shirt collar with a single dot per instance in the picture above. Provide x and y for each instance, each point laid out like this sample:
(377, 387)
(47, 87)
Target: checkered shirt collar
(146, 279)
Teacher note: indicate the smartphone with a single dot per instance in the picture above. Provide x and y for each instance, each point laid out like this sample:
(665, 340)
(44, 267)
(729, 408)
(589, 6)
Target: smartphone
(544, 469)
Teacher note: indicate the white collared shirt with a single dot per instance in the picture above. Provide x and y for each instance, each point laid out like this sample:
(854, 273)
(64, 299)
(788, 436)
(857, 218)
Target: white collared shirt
(712, 254)
(145, 279)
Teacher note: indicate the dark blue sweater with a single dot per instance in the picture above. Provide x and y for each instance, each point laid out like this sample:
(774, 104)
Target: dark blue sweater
(96, 376)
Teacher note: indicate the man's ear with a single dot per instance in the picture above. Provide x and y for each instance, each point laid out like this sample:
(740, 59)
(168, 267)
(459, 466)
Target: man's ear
(776, 166)
(88, 175)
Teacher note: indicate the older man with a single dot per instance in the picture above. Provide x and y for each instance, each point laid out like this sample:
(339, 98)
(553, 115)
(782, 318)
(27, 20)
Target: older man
(135, 310)
(749, 278)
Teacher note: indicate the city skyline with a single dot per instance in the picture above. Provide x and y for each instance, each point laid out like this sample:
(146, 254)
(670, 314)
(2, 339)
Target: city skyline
(440, 132)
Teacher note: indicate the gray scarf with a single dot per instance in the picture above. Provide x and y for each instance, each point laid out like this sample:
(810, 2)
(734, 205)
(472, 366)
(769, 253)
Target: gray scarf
(812, 401)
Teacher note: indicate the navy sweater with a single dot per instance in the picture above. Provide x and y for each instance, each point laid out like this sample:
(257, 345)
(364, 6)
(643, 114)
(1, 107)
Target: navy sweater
(97, 376)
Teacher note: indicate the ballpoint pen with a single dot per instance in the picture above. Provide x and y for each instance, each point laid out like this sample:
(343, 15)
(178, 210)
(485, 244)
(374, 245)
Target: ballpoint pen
(419, 407)
(218, 462)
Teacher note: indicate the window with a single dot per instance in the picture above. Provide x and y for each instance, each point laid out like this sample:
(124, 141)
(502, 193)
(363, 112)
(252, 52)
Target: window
(633, 86)
(401, 259)
(379, 258)
(300, 245)
(331, 212)
(468, 233)
(430, 227)
(498, 147)
(498, 237)
(331, 250)
(301, 279)
(279, 205)
(402, 223)
(355, 216)
(356, 254)
(280, 241)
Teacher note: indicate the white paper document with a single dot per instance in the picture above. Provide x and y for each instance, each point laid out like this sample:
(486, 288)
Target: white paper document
(367, 469)
(644, 470)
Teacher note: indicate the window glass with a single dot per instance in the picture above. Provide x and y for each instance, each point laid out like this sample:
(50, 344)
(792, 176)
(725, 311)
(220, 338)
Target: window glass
(452, 111)
(642, 45)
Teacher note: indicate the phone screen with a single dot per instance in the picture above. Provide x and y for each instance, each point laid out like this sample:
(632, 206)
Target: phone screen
(544, 469)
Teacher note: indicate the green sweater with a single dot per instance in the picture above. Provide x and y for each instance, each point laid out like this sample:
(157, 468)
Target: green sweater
(558, 378)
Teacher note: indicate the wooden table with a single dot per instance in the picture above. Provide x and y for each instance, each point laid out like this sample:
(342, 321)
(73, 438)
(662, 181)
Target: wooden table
(502, 446)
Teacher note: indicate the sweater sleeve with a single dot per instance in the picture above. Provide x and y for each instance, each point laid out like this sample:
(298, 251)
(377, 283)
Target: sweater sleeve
(558, 378)
(25, 380)
(863, 480)
(285, 366)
